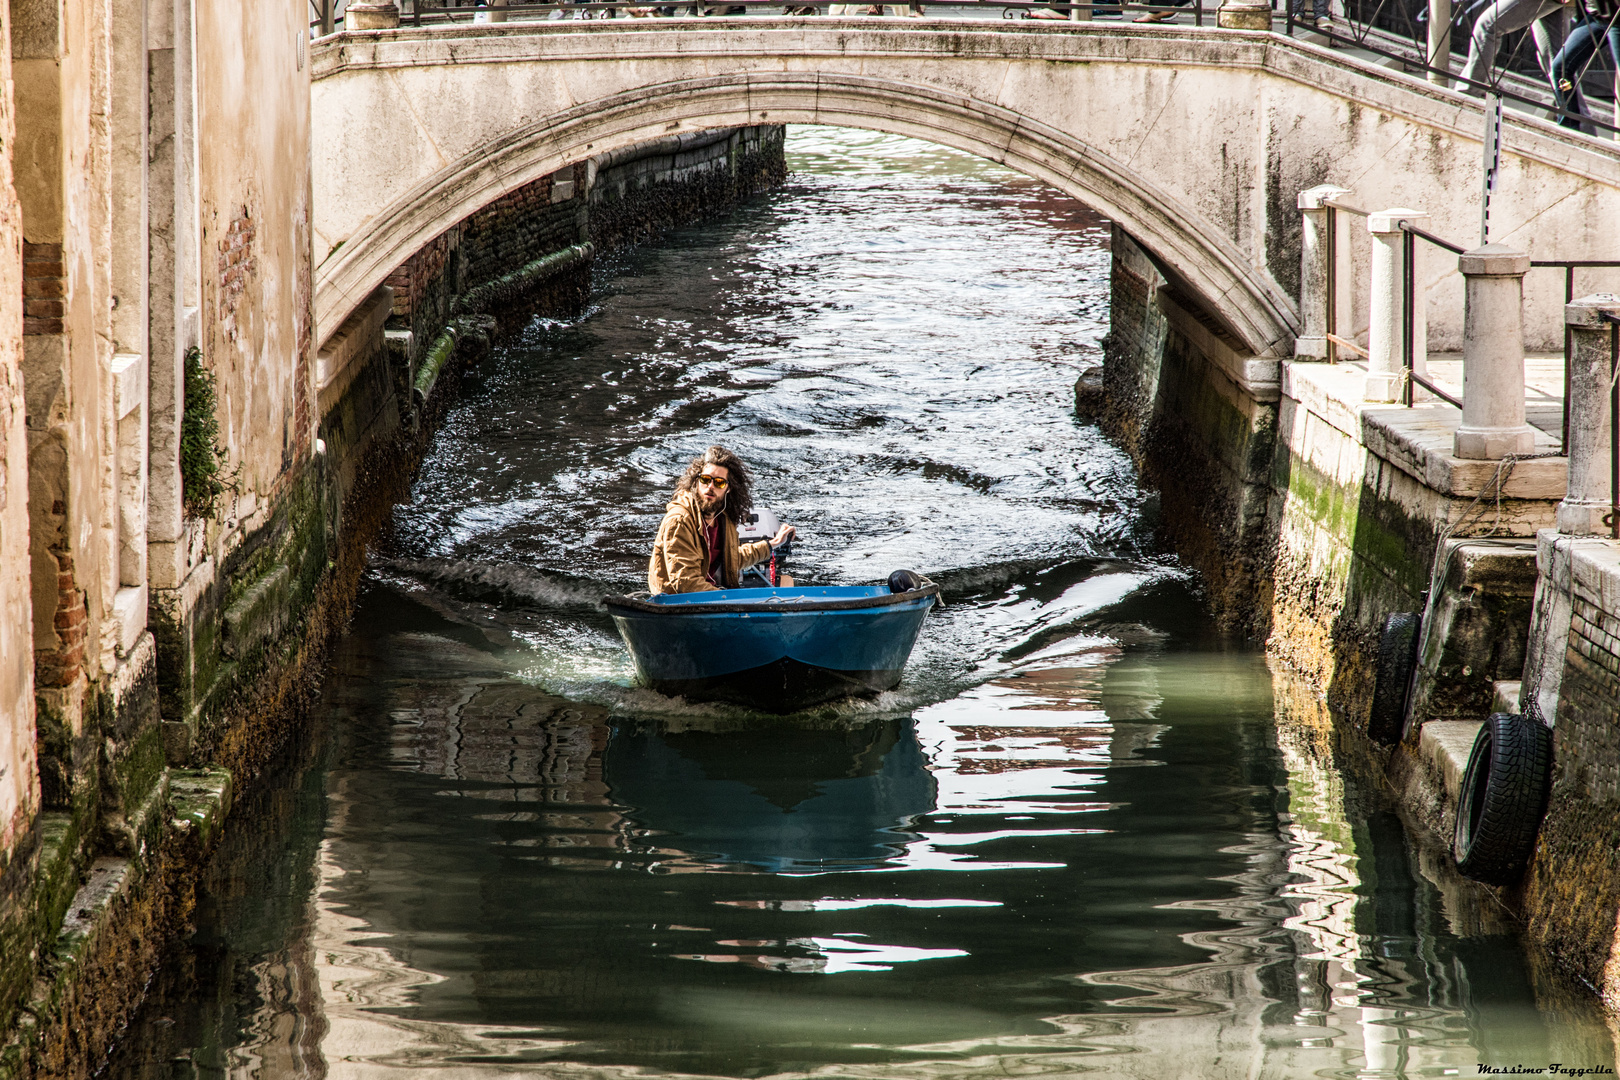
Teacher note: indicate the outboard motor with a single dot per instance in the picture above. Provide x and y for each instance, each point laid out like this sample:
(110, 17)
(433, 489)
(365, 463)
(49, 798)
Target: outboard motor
(904, 581)
(762, 525)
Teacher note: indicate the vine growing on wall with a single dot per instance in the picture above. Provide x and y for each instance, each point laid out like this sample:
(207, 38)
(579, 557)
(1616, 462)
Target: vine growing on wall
(203, 477)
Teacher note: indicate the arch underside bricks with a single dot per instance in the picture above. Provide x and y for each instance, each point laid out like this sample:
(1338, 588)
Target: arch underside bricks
(1255, 311)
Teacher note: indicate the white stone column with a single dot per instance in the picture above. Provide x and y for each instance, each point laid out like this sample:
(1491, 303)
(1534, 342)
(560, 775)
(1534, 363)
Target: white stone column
(1493, 355)
(1386, 324)
(1589, 498)
(1313, 268)
(130, 391)
(363, 15)
(1244, 15)
(1440, 41)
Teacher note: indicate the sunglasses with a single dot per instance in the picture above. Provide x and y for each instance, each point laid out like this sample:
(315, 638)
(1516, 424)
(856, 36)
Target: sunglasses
(719, 482)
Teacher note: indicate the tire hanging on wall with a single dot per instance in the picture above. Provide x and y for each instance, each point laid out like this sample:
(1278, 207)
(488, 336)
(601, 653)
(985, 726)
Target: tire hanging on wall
(1392, 678)
(1502, 799)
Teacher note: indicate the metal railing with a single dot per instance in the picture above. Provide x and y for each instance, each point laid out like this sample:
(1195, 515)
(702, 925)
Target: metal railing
(428, 12)
(1387, 29)
(1410, 235)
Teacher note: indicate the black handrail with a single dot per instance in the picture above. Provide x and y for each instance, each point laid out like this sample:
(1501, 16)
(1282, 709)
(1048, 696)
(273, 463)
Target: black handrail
(1074, 12)
(1426, 67)
(1408, 302)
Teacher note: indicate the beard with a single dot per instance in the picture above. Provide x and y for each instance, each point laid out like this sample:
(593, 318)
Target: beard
(711, 505)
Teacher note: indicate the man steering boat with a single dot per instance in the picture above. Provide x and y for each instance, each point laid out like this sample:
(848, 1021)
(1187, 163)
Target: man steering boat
(697, 548)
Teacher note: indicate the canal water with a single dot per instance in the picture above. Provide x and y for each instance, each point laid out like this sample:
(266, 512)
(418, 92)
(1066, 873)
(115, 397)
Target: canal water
(1085, 834)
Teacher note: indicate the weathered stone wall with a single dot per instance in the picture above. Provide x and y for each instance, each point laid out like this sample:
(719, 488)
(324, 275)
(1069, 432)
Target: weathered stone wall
(1200, 420)
(637, 192)
(1572, 892)
(1311, 516)
(609, 201)
(245, 600)
(19, 781)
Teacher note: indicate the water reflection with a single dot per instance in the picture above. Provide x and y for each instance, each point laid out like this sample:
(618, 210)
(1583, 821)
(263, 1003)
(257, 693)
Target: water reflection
(782, 800)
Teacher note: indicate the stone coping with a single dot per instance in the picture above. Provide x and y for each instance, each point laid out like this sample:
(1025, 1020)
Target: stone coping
(1444, 746)
(1588, 564)
(343, 354)
(1418, 440)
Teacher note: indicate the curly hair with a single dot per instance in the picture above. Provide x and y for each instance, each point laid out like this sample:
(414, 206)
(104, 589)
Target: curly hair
(739, 495)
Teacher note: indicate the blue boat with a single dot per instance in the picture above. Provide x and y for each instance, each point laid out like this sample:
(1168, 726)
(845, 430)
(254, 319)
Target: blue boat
(778, 649)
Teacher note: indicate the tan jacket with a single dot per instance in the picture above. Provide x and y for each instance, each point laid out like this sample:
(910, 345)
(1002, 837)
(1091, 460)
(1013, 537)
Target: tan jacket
(679, 556)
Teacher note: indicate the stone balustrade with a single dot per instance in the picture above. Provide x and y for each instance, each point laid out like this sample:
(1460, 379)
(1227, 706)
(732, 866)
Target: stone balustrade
(1590, 498)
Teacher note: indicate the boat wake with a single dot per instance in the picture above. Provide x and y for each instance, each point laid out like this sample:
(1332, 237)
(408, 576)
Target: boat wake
(1002, 621)
(505, 584)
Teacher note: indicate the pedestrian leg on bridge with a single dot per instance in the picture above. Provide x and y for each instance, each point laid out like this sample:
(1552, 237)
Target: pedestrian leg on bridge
(1581, 48)
(1504, 17)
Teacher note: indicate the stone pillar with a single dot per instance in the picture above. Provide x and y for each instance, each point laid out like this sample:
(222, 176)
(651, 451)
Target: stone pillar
(1244, 15)
(129, 409)
(1386, 325)
(1440, 40)
(1589, 497)
(361, 15)
(1313, 269)
(1493, 355)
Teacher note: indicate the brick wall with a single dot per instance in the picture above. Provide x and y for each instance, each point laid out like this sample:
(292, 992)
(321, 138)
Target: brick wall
(614, 200)
(533, 221)
(44, 288)
(1588, 718)
(1572, 894)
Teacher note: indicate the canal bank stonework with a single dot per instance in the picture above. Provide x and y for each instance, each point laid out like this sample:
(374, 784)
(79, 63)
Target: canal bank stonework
(1313, 515)
(137, 789)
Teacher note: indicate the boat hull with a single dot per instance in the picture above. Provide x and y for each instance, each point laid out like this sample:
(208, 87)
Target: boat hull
(774, 649)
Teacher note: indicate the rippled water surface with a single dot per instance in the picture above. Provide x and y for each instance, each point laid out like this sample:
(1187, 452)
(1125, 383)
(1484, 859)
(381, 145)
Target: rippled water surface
(1085, 834)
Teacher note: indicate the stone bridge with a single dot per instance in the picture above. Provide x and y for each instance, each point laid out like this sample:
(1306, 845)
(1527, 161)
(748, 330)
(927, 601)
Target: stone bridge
(1195, 141)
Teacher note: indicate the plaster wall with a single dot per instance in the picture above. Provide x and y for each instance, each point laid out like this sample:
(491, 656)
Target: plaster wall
(254, 214)
(61, 64)
(19, 780)
(1195, 141)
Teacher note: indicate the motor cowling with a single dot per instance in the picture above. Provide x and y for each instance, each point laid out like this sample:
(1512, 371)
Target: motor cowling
(904, 581)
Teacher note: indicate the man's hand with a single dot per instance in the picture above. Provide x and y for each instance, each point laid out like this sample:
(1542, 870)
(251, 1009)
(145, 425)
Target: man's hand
(783, 535)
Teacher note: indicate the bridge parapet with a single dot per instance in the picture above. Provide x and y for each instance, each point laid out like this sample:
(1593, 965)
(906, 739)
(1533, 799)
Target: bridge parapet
(1195, 141)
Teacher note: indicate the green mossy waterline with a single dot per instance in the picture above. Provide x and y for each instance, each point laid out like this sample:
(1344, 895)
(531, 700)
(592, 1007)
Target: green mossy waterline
(510, 287)
(278, 602)
(204, 480)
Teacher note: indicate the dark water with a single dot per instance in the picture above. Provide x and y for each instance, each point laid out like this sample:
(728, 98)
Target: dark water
(1084, 835)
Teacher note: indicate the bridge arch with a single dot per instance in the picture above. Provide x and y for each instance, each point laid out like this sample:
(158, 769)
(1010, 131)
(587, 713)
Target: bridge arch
(1254, 308)
(1194, 141)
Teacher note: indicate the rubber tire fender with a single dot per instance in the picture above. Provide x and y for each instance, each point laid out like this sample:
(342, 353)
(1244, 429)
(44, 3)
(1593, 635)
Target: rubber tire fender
(1392, 678)
(1502, 798)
